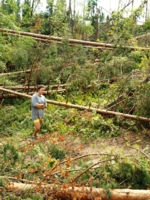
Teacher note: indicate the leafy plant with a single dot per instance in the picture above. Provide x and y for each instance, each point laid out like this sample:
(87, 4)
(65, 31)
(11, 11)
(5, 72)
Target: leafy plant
(57, 152)
(10, 154)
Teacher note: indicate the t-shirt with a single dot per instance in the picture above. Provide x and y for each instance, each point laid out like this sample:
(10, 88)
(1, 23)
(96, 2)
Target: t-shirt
(37, 113)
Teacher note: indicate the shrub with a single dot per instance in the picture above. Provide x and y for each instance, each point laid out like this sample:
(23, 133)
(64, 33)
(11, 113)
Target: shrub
(57, 153)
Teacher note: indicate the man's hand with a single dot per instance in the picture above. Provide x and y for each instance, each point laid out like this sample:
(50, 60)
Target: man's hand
(40, 106)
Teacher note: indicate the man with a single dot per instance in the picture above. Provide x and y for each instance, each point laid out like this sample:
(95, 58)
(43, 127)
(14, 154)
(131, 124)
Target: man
(38, 104)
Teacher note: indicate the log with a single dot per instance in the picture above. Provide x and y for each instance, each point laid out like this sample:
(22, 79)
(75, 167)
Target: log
(18, 72)
(50, 91)
(73, 41)
(31, 93)
(142, 36)
(70, 192)
(31, 87)
(49, 41)
(34, 87)
(100, 111)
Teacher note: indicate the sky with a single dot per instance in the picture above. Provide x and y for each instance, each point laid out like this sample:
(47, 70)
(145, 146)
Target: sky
(107, 6)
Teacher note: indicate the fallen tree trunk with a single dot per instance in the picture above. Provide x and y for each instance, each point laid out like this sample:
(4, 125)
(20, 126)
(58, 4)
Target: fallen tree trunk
(34, 87)
(30, 93)
(71, 192)
(31, 87)
(49, 41)
(100, 111)
(50, 91)
(74, 41)
(18, 72)
(142, 36)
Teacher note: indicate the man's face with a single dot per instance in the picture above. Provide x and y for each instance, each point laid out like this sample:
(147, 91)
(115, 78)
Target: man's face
(41, 91)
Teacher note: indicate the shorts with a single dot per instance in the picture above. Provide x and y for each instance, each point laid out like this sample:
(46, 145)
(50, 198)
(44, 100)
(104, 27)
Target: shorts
(38, 120)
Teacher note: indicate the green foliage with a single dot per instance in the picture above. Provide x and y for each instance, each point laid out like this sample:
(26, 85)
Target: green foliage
(16, 119)
(97, 127)
(10, 154)
(137, 56)
(121, 174)
(18, 52)
(31, 196)
(120, 78)
(57, 152)
(1, 183)
(117, 66)
(8, 21)
(27, 195)
(129, 172)
(10, 6)
(2, 66)
(143, 100)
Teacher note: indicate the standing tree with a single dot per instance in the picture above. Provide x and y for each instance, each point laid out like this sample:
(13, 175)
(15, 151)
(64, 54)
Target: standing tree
(96, 16)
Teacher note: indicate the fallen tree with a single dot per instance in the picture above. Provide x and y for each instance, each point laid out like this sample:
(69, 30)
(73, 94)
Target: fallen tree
(18, 72)
(142, 36)
(49, 41)
(72, 41)
(30, 93)
(100, 111)
(31, 87)
(70, 192)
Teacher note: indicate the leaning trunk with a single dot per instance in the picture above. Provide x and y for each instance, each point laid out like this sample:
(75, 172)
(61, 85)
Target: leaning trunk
(100, 111)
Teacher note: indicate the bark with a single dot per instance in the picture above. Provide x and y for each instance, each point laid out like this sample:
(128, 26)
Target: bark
(31, 93)
(73, 41)
(2, 4)
(50, 92)
(31, 87)
(132, 4)
(127, 5)
(142, 36)
(46, 41)
(19, 72)
(146, 14)
(100, 111)
(70, 192)
(1, 103)
(69, 14)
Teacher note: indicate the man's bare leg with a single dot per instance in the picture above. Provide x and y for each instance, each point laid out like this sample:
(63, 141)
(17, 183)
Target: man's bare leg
(37, 127)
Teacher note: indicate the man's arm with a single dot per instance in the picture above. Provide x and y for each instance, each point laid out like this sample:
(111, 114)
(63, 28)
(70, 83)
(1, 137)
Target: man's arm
(40, 106)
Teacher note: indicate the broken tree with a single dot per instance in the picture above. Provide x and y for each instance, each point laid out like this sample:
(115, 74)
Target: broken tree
(100, 111)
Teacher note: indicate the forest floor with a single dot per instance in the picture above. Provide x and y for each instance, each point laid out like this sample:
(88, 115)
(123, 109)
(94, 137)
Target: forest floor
(128, 142)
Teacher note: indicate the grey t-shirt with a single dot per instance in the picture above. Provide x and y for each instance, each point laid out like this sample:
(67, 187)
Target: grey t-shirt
(37, 113)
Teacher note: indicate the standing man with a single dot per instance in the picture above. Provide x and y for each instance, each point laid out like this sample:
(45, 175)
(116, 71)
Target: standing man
(38, 104)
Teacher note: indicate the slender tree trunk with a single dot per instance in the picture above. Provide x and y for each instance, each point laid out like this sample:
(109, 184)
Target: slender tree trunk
(90, 109)
(69, 14)
(74, 12)
(146, 14)
(32, 7)
(2, 4)
(72, 41)
(97, 23)
(132, 4)
(119, 2)
(20, 87)
(73, 18)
